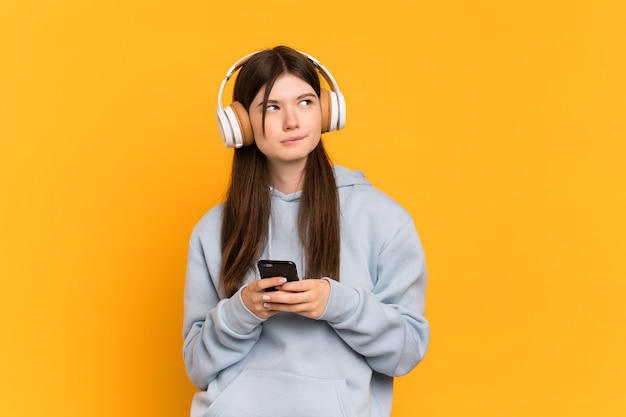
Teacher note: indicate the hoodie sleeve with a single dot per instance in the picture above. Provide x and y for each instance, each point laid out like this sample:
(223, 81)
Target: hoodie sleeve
(217, 333)
(386, 325)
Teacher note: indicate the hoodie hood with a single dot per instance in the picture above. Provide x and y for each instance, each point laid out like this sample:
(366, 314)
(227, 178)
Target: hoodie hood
(346, 177)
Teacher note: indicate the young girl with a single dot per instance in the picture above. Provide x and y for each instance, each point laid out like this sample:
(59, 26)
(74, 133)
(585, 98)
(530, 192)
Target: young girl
(325, 346)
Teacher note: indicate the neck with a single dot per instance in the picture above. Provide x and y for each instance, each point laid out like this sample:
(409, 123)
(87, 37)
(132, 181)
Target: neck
(287, 178)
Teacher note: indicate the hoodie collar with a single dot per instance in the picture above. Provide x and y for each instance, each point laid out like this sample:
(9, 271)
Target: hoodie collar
(344, 177)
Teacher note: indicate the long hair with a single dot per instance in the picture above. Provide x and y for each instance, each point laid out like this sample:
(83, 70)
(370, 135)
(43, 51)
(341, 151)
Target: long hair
(246, 211)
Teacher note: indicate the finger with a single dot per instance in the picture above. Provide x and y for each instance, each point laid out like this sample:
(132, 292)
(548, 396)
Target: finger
(256, 303)
(266, 284)
(301, 285)
(280, 298)
(305, 298)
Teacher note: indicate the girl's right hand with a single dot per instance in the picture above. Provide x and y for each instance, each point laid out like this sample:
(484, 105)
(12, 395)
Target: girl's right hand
(254, 293)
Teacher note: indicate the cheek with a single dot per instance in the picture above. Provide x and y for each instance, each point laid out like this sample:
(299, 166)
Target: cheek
(318, 119)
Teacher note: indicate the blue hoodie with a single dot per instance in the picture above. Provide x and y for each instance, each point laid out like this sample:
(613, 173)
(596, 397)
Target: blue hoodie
(341, 364)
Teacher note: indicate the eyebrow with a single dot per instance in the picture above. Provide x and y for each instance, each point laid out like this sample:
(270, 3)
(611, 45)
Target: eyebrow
(300, 97)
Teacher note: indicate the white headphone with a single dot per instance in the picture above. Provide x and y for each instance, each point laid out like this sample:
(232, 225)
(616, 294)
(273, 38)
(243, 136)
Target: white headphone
(233, 121)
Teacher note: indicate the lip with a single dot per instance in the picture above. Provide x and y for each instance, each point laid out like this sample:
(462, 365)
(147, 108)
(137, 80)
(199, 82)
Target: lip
(293, 139)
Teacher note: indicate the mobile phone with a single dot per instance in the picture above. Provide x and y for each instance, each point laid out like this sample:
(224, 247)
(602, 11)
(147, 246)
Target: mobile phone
(271, 268)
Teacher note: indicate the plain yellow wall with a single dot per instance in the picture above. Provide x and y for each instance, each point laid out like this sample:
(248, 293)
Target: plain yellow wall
(499, 124)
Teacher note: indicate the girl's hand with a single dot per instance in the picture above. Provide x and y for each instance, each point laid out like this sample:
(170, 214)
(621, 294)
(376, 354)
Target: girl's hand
(307, 297)
(253, 295)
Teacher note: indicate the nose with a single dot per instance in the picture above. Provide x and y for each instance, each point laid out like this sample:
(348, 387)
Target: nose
(291, 119)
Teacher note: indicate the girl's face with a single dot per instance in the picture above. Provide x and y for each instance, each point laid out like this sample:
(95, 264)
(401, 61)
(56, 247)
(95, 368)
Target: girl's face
(293, 121)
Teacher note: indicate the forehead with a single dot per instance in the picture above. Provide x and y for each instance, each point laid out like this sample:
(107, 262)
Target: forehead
(286, 86)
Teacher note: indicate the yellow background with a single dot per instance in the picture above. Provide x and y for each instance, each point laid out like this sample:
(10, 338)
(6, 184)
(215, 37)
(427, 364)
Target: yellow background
(499, 124)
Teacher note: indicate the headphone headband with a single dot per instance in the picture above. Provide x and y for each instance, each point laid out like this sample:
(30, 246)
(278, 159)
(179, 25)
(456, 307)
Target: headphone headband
(234, 124)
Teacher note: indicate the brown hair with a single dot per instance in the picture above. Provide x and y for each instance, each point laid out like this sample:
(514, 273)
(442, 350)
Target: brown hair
(248, 202)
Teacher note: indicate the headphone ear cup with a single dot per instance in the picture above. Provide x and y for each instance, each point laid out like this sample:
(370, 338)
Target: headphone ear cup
(325, 104)
(239, 125)
(224, 128)
(340, 110)
(243, 121)
(330, 111)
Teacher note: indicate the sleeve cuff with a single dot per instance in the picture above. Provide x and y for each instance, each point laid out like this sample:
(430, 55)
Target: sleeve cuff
(238, 317)
(342, 302)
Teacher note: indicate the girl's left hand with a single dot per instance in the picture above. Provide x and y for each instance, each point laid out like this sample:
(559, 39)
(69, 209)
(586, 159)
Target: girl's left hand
(306, 297)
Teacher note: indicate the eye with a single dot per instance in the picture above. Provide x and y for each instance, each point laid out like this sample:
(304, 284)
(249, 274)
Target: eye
(272, 107)
(306, 102)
